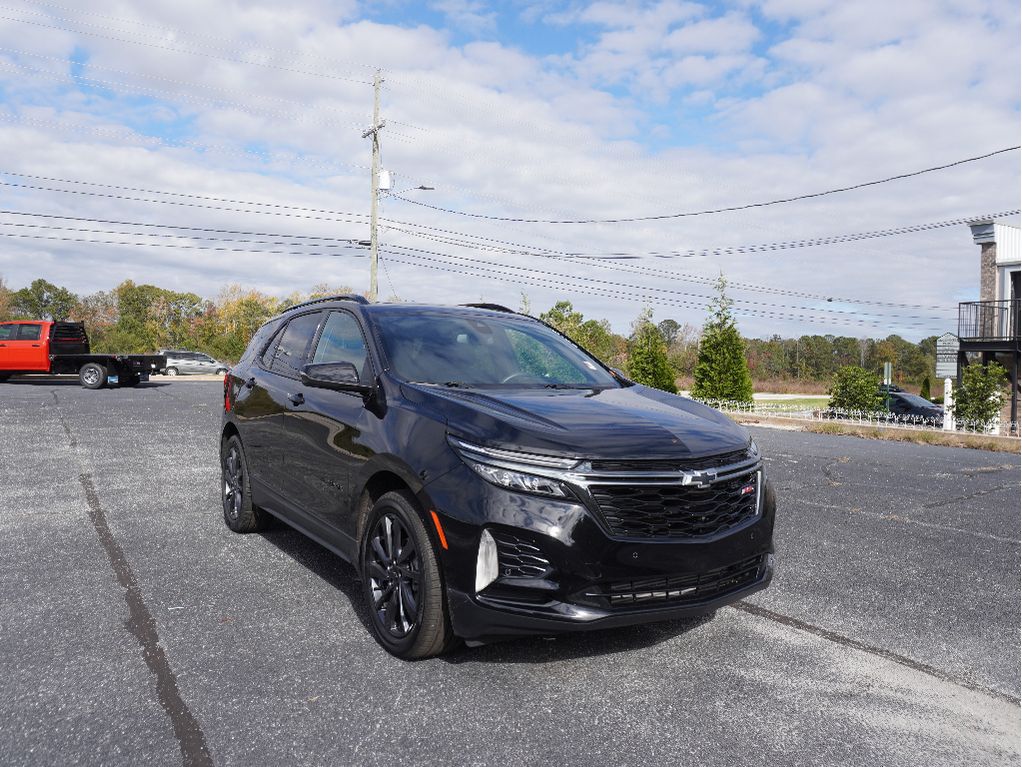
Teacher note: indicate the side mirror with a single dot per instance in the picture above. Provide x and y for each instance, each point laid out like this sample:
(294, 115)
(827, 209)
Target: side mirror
(620, 375)
(342, 376)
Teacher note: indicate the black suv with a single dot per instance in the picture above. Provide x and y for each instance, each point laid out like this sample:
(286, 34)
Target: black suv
(486, 476)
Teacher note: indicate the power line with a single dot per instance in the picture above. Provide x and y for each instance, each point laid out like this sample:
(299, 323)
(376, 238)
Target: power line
(476, 271)
(183, 204)
(602, 261)
(615, 285)
(359, 253)
(115, 222)
(283, 240)
(630, 269)
(710, 211)
(187, 195)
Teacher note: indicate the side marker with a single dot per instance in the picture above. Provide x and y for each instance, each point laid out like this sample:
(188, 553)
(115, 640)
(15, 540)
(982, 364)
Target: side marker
(439, 529)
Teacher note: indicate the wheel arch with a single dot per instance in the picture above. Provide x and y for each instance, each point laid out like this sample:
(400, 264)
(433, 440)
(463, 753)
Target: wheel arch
(385, 478)
(229, 430)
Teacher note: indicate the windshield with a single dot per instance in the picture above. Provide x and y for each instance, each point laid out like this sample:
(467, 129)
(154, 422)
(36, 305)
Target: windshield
(480, 350)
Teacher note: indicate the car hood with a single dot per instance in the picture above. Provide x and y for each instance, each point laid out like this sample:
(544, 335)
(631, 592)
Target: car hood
(633, 422)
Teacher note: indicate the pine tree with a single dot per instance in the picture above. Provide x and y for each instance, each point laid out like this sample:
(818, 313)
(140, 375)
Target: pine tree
(722, 372)
(647, 355)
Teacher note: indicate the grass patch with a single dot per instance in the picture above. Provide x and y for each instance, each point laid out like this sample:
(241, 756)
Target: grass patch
(916, 436)
(796, 403)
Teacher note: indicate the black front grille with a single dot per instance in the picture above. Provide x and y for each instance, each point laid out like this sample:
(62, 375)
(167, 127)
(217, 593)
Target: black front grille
(678, 589)
(677, 464)
(678, 511)
(520, 558)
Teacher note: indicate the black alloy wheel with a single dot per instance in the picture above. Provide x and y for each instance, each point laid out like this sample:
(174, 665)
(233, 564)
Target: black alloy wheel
(402, 582)
(395, 576)
(236, 492)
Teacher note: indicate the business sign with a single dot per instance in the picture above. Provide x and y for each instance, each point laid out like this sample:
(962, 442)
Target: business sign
(947, 356)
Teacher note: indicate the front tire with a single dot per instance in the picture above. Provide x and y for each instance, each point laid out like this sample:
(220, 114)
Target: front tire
(240, 514)
(92, 375)
(170, 372)
(401, 581)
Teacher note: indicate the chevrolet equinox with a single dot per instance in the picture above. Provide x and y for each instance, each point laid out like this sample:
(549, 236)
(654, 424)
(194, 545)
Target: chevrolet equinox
(487, 477)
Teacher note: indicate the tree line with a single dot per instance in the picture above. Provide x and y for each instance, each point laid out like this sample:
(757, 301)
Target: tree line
(133, 318)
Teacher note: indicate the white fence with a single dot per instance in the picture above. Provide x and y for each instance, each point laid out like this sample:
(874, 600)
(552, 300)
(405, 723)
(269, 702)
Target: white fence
(799, 412)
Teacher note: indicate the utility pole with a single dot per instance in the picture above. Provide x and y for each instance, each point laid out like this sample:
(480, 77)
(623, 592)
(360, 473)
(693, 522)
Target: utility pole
(374, 243)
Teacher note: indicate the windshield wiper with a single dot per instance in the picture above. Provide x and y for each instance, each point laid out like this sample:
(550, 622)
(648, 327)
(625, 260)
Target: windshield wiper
(565, 386)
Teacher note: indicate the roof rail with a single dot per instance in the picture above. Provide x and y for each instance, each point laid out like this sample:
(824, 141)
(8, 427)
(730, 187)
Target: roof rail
(491, 307)
(342, 297)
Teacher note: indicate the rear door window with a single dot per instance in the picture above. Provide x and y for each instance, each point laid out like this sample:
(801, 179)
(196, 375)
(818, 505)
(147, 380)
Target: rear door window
(8, 332)
(292, 350)
(30, 332)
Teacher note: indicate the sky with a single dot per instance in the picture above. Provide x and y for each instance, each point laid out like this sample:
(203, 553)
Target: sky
(193, 143)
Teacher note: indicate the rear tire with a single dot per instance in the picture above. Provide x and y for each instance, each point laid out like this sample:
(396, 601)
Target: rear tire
(131, 380)
(170, 372)
(401, 581)
(92, 375)
(240, 514)
(222, 371)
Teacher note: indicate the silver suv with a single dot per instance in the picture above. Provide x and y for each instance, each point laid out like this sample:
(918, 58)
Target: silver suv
(180, 361)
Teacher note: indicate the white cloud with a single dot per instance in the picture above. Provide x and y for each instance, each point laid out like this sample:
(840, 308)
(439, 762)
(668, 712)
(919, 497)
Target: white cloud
(498, 130)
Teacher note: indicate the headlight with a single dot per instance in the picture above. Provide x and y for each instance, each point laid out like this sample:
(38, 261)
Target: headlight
(521, 472)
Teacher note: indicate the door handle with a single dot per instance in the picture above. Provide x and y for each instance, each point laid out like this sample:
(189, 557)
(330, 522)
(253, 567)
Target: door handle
(35, 346)
(297, 398)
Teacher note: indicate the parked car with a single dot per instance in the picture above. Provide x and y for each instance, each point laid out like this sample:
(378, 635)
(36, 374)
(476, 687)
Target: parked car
(180, 362)
(487, 477)
(38, 346)
(903, 404)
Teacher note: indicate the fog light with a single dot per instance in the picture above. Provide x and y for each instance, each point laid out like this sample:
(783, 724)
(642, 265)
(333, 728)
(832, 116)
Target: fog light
(486, 562)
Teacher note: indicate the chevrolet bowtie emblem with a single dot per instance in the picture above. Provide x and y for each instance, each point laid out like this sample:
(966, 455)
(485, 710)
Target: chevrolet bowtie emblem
(698, 478)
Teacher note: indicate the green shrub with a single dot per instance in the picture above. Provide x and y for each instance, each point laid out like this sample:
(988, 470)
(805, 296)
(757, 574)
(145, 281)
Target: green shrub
(980, 396)
(856, 388)
(924, 390)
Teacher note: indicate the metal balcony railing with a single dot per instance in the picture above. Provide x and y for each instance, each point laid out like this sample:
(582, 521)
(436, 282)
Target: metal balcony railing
(988, 320)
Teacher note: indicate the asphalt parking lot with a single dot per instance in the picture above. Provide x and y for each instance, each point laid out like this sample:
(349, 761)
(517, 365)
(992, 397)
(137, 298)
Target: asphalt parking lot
(135, 628)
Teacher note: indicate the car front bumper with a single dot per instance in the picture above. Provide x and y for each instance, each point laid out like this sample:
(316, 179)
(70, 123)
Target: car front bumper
(586, 578)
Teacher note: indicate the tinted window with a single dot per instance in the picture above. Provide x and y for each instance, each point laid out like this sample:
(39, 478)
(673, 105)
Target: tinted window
(30, 332)
(271, 349)
(481, 350)
(8, 332)
(342, 341)
(293, 348)
(256, 344)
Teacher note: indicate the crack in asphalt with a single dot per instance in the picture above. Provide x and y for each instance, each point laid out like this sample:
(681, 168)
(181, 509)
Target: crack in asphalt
(969, 497)
(903, 520)
(142, 625)
(855, 644)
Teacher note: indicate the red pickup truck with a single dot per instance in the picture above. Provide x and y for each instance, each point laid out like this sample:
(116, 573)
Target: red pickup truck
(37, 346)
